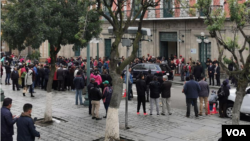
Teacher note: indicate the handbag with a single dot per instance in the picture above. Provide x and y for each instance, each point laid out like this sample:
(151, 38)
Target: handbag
(24, 89)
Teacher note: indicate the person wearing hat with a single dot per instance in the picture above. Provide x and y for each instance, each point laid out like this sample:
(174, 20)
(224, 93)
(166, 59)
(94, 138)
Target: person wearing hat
(165, 95)
(107, 94)
(7, 121)
(95, 97)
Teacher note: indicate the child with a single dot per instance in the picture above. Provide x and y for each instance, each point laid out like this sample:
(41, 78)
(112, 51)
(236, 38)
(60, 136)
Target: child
(213, 99)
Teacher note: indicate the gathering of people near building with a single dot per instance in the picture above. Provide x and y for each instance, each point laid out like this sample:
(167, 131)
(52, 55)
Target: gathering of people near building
(70, 75)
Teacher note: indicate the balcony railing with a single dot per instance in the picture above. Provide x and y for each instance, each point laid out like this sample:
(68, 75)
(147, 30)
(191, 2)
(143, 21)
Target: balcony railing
(162, 13)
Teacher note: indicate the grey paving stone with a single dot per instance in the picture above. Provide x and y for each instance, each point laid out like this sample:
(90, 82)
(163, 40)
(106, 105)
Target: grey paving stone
(174, 139)
(158, 136)
(141, 131)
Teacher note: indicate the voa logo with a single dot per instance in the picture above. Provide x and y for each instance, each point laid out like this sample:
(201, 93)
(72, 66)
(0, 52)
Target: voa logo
(236, 132)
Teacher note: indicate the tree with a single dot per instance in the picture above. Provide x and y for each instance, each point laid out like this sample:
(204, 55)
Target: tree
(54, 20)
(239, 17)
(120, 23)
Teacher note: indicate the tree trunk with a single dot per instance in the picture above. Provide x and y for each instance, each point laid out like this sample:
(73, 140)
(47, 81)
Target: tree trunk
(240, 93)
(112, 122)
(48, 110)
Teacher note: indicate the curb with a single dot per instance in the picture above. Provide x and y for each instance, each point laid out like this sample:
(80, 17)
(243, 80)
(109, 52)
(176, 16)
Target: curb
(181, 83)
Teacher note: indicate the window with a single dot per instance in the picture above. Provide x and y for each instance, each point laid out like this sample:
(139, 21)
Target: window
(139, 67)
(77, 51)
(152, 67)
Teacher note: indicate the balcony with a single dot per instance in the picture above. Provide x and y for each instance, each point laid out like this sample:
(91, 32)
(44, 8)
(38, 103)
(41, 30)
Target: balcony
(173, 13)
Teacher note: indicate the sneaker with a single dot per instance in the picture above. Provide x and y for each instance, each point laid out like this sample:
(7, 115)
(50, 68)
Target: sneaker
(104, 116)
(145, 114)
(23, 94)
(162, 114)
(151, 114)
(138, 113)
(170, 113)
(93, 118)
(98, 118)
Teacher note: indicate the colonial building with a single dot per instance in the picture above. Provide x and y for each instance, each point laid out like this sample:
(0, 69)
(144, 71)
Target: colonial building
(174, 32)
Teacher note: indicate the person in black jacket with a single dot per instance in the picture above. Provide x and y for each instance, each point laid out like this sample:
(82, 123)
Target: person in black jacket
(217, 74)
(26, 131)
(46, 76)
(141, 88)
(96, 96)
(60, 79)
(197, 72)
(91, 84)
(79, 84)
(155, 90)
(41, 73)
(8, 71)
(223, 99)
(165, 95)
(66, 78)
(7, 121)
(149, 78)
(210, 70)
(105, 76)
(14, 78)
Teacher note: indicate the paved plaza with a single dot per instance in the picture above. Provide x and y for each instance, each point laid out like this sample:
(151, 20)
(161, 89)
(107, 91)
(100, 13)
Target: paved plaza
(80, 126)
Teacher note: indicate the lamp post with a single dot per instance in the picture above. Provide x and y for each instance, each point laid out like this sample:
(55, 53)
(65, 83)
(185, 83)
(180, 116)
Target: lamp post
(86, 97)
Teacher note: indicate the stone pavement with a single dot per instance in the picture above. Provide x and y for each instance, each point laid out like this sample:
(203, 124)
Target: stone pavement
(80, 126)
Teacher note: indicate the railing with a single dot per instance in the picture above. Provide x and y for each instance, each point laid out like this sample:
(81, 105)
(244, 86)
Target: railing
(178, 12)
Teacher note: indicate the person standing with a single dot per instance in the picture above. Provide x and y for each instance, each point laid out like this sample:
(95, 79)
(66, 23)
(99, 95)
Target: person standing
(172, 67)
(197, 72)
(130, 82)
(223, 94)
(60, 79)
(7, 120)
(1, 73)
(26, 131)
(14, 78)
(189, 70)
(183, 69)
(149, 78)
(79, 85)
(105, 76)
(91, 84)
(41, 73)
(8, 71)
(46, 76)
(107, 94)
(97, 77)
(203, 95)
(165, 95)
(37, 80)
(217, 74)
(191, 90)
(176, 62)
(141, 88)
(96, 96)
(29, 79)
(155, 90)
(211, 73)
(66, 77)
(71, 78)
(180, 63)
(23, 74)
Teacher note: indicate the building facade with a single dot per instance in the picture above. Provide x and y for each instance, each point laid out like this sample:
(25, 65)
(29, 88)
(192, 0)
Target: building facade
(174, 32)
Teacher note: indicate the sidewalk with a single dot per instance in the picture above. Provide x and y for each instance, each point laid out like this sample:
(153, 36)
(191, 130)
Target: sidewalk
(177, 80)
(80, 126)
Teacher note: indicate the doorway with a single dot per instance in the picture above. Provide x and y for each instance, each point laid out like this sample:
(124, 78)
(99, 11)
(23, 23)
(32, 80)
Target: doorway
(168, 48)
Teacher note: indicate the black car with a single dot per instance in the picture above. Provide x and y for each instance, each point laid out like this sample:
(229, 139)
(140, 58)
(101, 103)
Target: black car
(144, 67)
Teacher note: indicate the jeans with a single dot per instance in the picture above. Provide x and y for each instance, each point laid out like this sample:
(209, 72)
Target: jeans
(166, 103)
(189, 102)
(95, 108)
(187, 74)
(152, 102)
(201, 104)
(30, 87)
(7, 79)
(100, 70)
(141, 100)
(79, 95)
(106, 105)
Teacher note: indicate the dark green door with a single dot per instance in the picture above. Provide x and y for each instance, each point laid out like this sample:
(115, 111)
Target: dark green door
(167, 9)
(77, 51)
(136, 9)
(204, 53)
(107, 47)
(164, 49)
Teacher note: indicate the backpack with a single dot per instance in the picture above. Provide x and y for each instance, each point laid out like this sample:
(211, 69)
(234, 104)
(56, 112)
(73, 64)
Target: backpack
(184, 68)
(99, 65)
(221, 93)
(23, 74)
